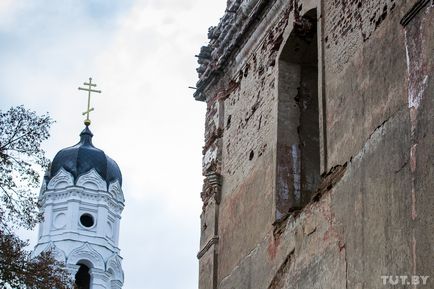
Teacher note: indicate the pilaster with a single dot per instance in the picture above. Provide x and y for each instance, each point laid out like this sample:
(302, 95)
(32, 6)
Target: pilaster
(100, 279)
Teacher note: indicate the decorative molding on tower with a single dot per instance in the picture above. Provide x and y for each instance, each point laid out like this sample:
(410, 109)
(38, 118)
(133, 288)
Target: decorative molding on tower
(86, 252)
(92, 180)
(57, 253)
(116, 191)
(61, 180)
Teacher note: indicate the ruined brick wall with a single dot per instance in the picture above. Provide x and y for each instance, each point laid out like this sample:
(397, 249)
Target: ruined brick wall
(372, 212)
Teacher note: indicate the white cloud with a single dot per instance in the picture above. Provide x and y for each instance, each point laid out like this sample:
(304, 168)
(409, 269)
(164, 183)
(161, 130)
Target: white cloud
(8, 9)
(141, 55)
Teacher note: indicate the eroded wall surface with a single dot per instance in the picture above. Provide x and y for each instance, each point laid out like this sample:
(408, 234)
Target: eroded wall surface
(372, 215)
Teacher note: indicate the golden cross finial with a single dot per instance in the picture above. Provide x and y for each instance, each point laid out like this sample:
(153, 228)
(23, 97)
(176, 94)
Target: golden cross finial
(89, 89)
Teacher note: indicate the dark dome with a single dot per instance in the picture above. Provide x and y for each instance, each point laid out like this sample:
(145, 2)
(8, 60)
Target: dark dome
(83, 157)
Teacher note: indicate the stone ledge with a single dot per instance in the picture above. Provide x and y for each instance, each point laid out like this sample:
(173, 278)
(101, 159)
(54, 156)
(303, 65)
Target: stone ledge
(212, 241)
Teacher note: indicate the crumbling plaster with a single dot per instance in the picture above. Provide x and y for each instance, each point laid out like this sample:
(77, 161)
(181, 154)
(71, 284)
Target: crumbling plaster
(373, 211)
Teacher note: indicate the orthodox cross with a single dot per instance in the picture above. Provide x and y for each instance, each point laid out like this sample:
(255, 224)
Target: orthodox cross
(88, 89)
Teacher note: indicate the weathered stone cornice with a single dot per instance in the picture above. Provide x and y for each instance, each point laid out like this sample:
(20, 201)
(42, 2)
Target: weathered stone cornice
(226, 39)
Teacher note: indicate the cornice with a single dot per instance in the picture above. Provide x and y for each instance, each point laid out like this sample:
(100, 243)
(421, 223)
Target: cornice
(72, 193)
(227, 38)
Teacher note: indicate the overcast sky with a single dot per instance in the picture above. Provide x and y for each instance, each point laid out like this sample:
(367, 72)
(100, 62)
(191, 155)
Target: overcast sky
(141, 55)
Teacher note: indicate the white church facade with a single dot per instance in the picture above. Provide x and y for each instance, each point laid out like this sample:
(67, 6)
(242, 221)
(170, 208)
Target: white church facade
(82, 201)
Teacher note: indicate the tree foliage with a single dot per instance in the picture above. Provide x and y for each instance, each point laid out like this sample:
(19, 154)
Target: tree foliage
(21, 160)
(19, 270)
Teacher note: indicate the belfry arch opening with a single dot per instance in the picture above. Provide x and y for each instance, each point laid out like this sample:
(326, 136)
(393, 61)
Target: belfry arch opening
(298, 140)
(82, 277)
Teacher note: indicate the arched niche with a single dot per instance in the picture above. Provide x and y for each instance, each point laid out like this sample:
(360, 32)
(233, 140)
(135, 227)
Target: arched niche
(57, 253)
(114, 265)
(298, 133)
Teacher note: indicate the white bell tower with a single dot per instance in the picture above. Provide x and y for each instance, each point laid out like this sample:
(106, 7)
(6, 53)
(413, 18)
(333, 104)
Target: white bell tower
(82, 201)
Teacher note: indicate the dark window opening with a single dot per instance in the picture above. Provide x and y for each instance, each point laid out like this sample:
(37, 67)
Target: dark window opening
(308, 125)
(82, 278)
(251, 155)
(87, 220)
(298, 150)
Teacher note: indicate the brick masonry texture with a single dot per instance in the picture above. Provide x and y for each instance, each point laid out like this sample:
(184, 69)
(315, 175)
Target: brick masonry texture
(371, 214)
